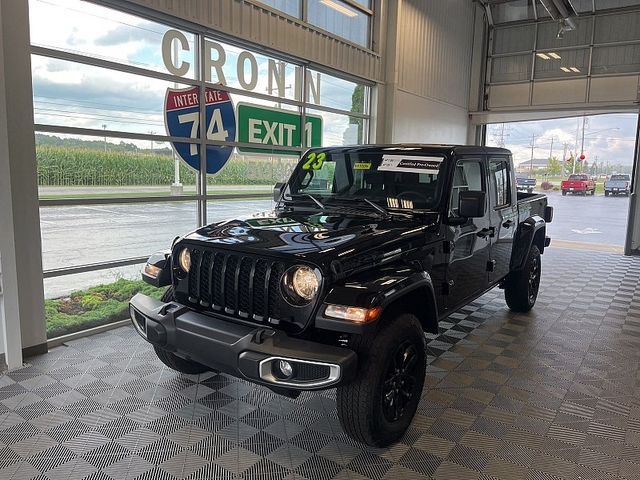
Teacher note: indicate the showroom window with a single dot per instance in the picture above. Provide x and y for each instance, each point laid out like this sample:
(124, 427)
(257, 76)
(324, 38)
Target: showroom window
(349, 19)
(127, 158)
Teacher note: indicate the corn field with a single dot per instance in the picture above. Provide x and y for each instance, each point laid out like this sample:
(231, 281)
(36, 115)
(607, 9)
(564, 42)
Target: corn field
(64, 166)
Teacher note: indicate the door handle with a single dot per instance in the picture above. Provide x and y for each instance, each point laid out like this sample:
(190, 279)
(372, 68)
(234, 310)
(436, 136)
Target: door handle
(507, 224)
(486, 232)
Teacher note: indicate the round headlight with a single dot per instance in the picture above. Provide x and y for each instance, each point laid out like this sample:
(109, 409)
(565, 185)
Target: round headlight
(184, 259)
(300, 284)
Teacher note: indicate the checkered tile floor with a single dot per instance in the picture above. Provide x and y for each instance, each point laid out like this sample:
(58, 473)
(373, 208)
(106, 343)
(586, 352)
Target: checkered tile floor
(551, 394)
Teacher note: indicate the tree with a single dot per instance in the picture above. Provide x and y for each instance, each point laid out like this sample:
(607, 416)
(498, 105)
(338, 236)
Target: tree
(554, 167)
(357, 106)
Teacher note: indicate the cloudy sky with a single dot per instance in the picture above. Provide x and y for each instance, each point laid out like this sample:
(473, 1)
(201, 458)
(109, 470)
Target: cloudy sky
(606, 137)
(72, 94)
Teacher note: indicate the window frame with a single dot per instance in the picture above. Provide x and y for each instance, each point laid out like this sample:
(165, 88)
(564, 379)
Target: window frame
(202, 195)
(494, 183)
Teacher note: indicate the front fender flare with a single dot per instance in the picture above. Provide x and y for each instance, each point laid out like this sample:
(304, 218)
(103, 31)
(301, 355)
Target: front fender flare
(411, 290)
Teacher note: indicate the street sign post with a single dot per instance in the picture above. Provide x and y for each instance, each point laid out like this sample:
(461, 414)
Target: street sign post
(271, 126)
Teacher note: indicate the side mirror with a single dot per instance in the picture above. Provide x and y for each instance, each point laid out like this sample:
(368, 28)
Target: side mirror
(277, 191)
(471, 204)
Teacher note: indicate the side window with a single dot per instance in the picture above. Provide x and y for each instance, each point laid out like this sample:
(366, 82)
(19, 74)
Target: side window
(467, 177)
(499, 174)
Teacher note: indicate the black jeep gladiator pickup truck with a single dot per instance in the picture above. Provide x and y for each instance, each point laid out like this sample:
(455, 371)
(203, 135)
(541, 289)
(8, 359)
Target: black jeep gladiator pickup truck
(368, 247)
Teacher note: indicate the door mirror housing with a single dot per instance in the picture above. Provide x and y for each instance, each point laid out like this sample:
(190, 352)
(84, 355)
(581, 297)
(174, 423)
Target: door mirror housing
(471, 204)
(277, 191)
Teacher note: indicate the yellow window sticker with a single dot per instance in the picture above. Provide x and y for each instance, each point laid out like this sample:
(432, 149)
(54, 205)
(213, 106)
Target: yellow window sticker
(362, 166)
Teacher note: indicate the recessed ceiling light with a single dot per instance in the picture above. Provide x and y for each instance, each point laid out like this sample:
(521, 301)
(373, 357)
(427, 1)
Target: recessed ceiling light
(544, 56)
(565, 69)
(554, 55)
(574, 69)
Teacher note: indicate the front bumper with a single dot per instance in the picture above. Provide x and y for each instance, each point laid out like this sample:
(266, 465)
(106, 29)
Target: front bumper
(243, 351)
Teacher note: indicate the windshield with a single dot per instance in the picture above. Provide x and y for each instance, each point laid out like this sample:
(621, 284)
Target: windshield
(578, 177)
(393, 181)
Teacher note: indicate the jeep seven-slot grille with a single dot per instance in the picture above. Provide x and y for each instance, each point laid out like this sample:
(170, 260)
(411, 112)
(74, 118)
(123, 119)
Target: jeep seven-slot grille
(238, 285)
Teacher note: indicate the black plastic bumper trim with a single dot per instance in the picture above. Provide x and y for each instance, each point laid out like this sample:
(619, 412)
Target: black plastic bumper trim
(230, 347)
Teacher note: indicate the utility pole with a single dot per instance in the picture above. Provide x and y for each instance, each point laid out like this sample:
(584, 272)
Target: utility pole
(575, 158)
(151, 132)
(533, 145)
(104, 127)
(502, 136)
(551, 149)
(582, 145)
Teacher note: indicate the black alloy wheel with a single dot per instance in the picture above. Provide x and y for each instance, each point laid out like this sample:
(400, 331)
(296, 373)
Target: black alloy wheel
(399, 387)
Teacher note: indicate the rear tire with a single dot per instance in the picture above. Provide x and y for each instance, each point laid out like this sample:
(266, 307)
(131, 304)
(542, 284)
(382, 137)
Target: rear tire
(170, 359)
(521, 287)
(606, 193)
(378, 406)
(564, 193)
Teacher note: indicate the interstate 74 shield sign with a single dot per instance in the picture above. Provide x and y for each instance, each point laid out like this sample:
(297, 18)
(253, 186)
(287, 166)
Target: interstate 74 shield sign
(182, 119)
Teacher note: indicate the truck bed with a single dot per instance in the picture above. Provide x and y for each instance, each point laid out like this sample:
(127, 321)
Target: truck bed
(530, 204)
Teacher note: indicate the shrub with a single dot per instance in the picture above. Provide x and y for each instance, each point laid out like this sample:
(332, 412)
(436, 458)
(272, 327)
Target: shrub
(546, 186)
(93, 307)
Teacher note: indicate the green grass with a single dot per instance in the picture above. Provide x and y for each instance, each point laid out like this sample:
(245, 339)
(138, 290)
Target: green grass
(94, 306)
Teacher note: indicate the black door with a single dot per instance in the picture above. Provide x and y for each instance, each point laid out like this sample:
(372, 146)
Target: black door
(469, 250)
(504, 216)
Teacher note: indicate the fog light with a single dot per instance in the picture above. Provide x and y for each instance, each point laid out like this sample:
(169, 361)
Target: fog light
(286, 369)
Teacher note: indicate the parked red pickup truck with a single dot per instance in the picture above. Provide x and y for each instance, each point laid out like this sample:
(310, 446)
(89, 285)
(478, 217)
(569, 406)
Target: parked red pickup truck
(578, 184)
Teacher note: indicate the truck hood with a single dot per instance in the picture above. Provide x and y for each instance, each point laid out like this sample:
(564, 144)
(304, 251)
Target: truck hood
(318, 238)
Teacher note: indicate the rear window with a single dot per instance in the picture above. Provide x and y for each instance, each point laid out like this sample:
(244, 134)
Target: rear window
(622, 178)
(578, 178)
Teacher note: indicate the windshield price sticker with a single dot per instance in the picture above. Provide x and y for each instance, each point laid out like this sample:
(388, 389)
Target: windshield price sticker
(410, 164)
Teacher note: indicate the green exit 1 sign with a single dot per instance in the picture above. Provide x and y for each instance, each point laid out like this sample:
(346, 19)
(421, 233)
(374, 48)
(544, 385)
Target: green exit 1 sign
(270, 126)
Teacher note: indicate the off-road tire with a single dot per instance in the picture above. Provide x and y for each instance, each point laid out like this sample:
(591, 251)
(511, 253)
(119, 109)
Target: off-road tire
(180, 364)
(521, 287)
(168, 295)
(170, 359)
(362, 410)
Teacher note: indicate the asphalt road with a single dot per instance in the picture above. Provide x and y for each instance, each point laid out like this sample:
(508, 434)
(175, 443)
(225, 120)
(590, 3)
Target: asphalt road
(597, 219)
(82, 235)
(89, 234)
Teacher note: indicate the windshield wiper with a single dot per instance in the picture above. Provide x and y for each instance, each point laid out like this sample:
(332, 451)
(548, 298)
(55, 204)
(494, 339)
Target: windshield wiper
(318, 202)
(308, 195)
(380, 209)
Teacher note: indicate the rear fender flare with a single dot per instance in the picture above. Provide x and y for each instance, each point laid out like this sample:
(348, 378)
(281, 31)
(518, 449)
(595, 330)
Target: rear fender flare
(532, 231)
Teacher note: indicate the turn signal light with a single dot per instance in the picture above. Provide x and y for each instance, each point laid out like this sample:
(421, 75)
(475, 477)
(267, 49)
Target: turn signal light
(152, 270)
(353, 314)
